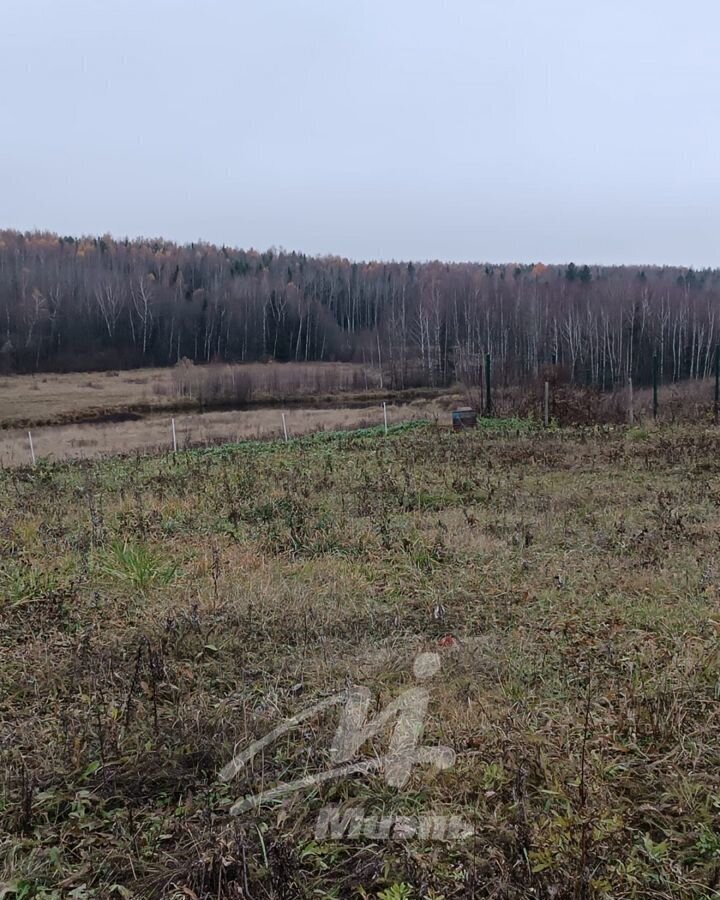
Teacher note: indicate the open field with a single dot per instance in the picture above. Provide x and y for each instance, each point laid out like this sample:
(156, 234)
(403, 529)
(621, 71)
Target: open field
(154, 432)
(37, 401)
(28, 401)
(159, 614)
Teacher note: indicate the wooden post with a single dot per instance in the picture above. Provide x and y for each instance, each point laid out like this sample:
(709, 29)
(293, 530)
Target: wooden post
(32, 449)
(488, 393)
(385, 416)
(631, 411)
(717, 382)
(655, 385)
(546, 417)
(174, 436)
(285, 428)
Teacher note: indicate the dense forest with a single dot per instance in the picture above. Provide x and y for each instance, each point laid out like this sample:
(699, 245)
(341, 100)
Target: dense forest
(98, 303)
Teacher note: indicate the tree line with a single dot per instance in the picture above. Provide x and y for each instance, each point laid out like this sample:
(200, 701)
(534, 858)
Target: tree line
(69, 304)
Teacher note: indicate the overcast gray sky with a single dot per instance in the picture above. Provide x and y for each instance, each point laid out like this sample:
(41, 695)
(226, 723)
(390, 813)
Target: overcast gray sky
(503, 130)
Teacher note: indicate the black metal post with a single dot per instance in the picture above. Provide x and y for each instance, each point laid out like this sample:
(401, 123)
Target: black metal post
(488, 395)
(655, 385)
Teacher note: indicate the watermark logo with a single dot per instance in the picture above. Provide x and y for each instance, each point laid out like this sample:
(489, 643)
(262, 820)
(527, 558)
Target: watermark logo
(407, 715)
(335, 823)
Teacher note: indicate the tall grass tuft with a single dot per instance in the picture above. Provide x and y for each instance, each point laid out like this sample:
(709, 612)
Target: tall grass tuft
(136, 565)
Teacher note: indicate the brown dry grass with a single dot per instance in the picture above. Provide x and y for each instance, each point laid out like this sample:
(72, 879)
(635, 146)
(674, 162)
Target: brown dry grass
(265, 382)
(45, 398)
(158, 614)
(32, 400)
(90, 441)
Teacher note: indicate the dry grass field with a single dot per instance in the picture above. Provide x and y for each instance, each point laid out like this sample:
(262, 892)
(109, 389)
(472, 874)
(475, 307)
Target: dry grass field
(154, 432)
(160, 613)
(33, 401)
(28, 401)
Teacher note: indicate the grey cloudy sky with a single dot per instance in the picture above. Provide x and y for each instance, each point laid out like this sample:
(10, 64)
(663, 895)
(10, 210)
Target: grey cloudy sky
(503, 130)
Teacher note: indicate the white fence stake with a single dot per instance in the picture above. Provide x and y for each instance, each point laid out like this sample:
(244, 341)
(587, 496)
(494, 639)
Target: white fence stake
(32, 449)
(385, 415)
(285, 427)
(174, 436)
